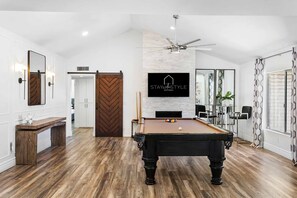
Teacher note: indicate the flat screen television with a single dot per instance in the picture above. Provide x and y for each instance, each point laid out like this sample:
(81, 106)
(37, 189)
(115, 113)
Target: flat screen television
(168, 84)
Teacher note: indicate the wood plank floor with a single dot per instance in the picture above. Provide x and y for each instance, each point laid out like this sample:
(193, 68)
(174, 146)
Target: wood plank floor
(112, 167)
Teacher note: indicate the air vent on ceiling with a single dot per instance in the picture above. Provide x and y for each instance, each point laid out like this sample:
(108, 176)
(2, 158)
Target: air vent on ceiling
(82, 68)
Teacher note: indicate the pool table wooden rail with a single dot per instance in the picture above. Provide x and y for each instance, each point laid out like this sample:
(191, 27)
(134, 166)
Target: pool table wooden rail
(141, 135)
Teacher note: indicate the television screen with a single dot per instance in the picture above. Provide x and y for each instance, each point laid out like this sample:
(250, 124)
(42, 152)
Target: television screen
(168, 84)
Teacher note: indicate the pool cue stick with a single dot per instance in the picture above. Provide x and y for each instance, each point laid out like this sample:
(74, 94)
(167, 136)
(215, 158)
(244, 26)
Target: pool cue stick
(140, 108)
(137, 116)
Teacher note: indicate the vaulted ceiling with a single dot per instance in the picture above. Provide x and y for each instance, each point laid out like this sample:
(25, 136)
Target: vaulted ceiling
(241, 29)
(188, 7)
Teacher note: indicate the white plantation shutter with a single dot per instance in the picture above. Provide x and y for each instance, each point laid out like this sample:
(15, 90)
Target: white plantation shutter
(276, 101)
(279, 101)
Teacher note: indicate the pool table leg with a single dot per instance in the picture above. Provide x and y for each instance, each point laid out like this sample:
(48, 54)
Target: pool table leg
(150, 159)
(216, 158)
(150, 165)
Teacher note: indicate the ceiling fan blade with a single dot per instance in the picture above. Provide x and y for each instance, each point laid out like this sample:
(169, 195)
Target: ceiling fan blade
(205, 45)
(151, 47)
(171, 43)
(191, 42)
(201, 49)
(155, 51)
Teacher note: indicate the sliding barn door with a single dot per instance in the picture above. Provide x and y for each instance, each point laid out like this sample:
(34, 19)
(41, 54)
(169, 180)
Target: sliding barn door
(109, 104)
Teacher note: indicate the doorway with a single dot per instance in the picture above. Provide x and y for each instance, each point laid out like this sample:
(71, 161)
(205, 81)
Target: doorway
(82, 103)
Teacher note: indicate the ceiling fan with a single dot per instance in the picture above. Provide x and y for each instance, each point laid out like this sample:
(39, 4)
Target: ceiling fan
(175, 47)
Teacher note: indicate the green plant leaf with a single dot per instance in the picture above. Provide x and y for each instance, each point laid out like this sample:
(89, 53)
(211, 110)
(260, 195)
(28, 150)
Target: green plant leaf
(227, 96)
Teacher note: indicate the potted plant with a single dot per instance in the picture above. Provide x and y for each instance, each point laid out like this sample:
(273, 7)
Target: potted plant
(227, 97)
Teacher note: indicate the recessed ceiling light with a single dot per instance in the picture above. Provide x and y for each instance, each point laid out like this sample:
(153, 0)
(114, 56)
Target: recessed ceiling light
(172, 27)
(85, 33)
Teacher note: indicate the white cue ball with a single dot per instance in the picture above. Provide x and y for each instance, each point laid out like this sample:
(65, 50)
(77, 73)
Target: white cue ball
(179, 128)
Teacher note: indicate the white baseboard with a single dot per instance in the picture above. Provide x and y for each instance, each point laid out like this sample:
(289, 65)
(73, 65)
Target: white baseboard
(7, 164)
(280, 151)
(246, 137)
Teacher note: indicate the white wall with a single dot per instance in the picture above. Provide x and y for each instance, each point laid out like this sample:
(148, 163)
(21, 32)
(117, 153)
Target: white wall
(120, 53)
(13, 54)
(125, 53)
(246, 88)
(274, 141)
(205, 61)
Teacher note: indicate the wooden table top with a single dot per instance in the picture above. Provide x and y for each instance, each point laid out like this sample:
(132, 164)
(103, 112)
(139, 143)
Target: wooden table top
(181, 126)
(37, 124)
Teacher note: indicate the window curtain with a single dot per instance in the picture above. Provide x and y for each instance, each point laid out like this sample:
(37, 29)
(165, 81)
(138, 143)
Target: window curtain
(210, 88)
(220, 84)
(293, 110)
(258, 104)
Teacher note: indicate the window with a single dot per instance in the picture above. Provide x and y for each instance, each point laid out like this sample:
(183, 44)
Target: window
(279, 101)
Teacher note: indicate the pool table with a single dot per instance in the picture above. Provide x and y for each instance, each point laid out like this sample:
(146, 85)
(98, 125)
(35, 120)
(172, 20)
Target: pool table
(185, 137)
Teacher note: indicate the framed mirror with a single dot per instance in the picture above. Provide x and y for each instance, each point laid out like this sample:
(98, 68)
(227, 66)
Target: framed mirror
(205, 88)
(215, 94)
(225, 87)
(36, 78)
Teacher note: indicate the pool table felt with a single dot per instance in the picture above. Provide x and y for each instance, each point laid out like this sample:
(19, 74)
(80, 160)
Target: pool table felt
(189, 126)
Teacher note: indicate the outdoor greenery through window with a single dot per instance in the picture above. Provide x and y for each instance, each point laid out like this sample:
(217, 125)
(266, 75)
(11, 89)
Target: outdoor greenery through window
(279, 101)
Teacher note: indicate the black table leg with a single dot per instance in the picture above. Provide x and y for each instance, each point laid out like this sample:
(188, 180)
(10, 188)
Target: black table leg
(216, 171)
(150, 159)
(216, 158)
(150, 165)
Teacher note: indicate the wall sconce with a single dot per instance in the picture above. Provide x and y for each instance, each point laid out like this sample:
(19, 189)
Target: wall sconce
(52, 83)
(22, 69)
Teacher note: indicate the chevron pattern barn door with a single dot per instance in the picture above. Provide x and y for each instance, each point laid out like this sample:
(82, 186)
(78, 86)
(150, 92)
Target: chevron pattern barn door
(109, 104)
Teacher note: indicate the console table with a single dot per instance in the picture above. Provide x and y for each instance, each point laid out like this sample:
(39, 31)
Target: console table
(26, 138)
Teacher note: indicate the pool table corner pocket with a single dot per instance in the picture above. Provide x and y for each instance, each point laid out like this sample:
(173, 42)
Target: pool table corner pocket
(140, 139)
(228, 142)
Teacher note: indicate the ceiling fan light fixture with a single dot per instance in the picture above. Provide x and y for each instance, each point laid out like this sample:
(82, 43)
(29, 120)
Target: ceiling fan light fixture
(175, 50)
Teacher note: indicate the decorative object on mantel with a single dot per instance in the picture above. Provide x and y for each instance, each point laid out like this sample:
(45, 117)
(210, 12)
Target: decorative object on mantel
(29, 118)
(26, 138)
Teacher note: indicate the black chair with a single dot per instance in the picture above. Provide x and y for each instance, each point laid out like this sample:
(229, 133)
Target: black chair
(246, 113)
(201, 112)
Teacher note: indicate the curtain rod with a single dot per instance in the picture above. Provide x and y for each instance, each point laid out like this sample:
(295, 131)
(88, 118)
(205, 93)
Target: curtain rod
(82, 72)
(279, 54)
(97, 72)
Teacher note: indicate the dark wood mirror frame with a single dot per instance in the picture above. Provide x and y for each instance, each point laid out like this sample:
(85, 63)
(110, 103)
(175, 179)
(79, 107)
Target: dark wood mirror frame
(36, 78)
